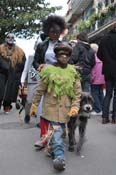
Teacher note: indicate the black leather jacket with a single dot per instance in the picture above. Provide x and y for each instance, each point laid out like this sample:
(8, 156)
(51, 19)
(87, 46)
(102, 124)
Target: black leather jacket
(39, 57)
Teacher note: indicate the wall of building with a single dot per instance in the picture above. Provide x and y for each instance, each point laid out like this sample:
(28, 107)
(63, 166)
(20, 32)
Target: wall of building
(96, 16)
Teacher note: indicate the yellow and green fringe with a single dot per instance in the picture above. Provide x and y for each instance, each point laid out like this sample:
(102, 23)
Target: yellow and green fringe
(60, 81)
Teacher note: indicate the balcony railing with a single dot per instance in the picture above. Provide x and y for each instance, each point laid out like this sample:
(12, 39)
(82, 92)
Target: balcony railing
(103, 21)
(101, 25)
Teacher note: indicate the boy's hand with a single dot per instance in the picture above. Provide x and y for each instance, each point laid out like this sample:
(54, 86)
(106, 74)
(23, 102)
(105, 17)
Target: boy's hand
(33, 110)
(73, 112)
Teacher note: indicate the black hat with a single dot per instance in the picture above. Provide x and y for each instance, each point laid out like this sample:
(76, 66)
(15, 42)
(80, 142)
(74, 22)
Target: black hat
(63, 48)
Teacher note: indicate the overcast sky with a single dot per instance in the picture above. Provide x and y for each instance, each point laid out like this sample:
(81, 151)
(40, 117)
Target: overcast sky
(62, 3)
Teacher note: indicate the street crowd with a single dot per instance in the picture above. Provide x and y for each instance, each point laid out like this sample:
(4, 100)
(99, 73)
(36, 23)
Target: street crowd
(48, 84)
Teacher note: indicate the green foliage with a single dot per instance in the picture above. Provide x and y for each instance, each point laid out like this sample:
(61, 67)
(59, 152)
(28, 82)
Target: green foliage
(23, 17)
(91, 20)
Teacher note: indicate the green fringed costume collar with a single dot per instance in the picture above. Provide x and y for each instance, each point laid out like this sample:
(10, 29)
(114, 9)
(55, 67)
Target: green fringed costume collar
(60, 81)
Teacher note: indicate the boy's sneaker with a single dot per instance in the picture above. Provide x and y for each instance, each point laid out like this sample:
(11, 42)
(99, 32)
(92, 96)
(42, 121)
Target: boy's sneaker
(59, 164)
(40, 144)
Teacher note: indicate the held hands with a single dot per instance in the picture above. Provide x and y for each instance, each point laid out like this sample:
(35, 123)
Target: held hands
(33, 110)
(41, 67)
(73, 112)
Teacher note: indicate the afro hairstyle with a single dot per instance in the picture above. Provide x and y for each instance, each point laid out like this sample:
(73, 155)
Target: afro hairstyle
(52, 21)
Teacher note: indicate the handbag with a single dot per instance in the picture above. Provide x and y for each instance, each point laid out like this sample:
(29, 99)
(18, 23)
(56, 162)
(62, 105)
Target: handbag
(22, 92)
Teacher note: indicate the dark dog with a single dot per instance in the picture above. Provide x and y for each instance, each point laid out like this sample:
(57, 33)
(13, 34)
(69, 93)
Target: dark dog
(86, 106)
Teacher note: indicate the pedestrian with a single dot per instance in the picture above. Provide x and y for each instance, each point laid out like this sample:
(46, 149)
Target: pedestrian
(61, 88)
(107, 54)
(53, 27)
(83, 57)
(97, 83)
(30, 78)
(12, 60)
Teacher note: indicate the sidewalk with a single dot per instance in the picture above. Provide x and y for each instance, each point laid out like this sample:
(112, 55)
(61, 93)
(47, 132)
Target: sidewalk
(19, 157)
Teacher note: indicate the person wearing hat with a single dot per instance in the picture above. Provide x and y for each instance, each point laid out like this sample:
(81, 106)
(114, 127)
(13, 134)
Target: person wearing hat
(60, 85)
(12, 60)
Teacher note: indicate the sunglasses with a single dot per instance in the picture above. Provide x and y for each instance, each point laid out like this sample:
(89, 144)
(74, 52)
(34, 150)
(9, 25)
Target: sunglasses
(10, 37)
(63, 54)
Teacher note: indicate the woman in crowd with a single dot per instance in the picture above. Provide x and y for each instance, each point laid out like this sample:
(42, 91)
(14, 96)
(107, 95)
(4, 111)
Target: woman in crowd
(53, 27)
(30, 77)
(97, 83)
(12, 60)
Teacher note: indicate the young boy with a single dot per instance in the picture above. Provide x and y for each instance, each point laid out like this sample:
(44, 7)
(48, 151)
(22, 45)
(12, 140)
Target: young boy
(61, 88)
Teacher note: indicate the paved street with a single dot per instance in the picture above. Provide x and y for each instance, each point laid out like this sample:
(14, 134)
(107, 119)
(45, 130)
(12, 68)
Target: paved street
(19, 157)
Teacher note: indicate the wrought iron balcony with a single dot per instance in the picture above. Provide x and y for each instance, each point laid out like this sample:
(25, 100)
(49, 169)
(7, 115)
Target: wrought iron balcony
(102, 26)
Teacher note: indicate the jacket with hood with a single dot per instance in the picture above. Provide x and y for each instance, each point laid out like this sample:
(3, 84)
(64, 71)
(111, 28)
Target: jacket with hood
(83, 56)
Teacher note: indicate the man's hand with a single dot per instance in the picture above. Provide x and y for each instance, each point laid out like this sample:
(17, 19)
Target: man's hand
(73, 112)
(33, 110)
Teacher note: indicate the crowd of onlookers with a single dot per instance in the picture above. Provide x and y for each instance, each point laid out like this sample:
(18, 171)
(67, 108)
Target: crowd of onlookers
(55, 76)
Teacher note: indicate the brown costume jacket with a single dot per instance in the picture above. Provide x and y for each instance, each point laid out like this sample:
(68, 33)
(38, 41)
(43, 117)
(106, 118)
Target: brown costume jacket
(56, 109)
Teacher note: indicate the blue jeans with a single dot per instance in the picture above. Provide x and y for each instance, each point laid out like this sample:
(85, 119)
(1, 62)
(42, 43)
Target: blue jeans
(85, 85)
(98, 96)
(57, 142)
(110, 90)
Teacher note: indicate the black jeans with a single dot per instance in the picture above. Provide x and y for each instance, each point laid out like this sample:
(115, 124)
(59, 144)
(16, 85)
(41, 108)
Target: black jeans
(2, 87)
(110, 91)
